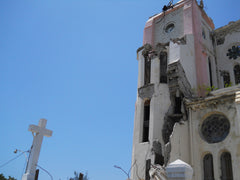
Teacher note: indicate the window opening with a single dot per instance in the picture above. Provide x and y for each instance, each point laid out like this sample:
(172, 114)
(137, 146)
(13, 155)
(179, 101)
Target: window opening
(178, 103)
(208, 167)
(226, 79)
(226, 166)
(237, 74)
(163, 67)
(210, 71)
(203, 34)
(159, 159)
(147, 168)
(146, 118)
(147, 70)
(169, 28)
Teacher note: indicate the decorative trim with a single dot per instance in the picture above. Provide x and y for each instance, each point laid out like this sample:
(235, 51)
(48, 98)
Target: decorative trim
(204, 103)
(237, 97)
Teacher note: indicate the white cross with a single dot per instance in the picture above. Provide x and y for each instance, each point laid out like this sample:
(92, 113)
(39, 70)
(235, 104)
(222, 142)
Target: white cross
(39, 132)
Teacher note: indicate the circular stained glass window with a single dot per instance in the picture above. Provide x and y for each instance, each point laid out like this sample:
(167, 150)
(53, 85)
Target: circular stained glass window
(215, 128)
(169, 28)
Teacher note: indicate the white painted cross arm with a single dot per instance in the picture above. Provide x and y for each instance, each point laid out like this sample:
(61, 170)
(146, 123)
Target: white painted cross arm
(40, 129)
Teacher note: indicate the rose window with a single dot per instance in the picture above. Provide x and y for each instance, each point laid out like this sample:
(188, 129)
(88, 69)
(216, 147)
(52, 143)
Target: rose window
(234, 52)
(215, 128)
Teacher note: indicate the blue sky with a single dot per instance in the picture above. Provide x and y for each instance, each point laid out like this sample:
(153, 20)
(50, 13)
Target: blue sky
(74, 63)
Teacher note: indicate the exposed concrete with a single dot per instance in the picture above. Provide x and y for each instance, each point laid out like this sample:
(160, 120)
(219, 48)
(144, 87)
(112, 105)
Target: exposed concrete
(146, 92)
(222, 32)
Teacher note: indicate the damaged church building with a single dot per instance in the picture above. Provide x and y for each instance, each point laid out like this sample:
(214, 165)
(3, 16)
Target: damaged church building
(188, 98)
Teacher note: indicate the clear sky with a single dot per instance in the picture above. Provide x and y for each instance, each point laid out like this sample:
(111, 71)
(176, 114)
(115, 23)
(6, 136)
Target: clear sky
(74, 63)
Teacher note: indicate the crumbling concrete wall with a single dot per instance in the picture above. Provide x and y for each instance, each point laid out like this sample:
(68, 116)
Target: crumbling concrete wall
(179, 140)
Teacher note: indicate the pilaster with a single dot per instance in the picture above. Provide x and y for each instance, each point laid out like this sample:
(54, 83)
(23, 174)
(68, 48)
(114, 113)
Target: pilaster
(140, 69)
(155, 67)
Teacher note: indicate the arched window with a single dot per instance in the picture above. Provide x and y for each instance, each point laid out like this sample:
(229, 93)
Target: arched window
(226, 78)
(208, 167)
(147, 70)
(237, 74)
(226, 166)
(163, 67)
(146, 117)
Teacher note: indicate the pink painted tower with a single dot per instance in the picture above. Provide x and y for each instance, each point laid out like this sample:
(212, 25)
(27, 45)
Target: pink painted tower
(185, 19)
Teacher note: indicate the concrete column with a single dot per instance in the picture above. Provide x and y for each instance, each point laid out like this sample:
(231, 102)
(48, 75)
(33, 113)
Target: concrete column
(160, 104)
(179, 170)
(140, 69)
(216, 161)
(155, 68)
(139, 120)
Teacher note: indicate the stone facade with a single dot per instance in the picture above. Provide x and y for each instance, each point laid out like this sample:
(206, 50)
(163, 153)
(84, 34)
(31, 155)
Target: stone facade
(188, 99)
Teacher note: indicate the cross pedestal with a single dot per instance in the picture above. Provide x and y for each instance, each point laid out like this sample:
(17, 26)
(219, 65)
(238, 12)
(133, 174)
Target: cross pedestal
(179, 170)
(38, 133)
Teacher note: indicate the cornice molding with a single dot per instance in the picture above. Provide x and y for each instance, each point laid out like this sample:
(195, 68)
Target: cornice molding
(221, 96)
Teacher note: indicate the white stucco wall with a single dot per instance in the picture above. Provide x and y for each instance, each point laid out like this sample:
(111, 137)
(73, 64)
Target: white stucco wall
(140, 151)
(224, 63)
(180, 147)
(174, 52)
(159, 105)
(175, 17)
